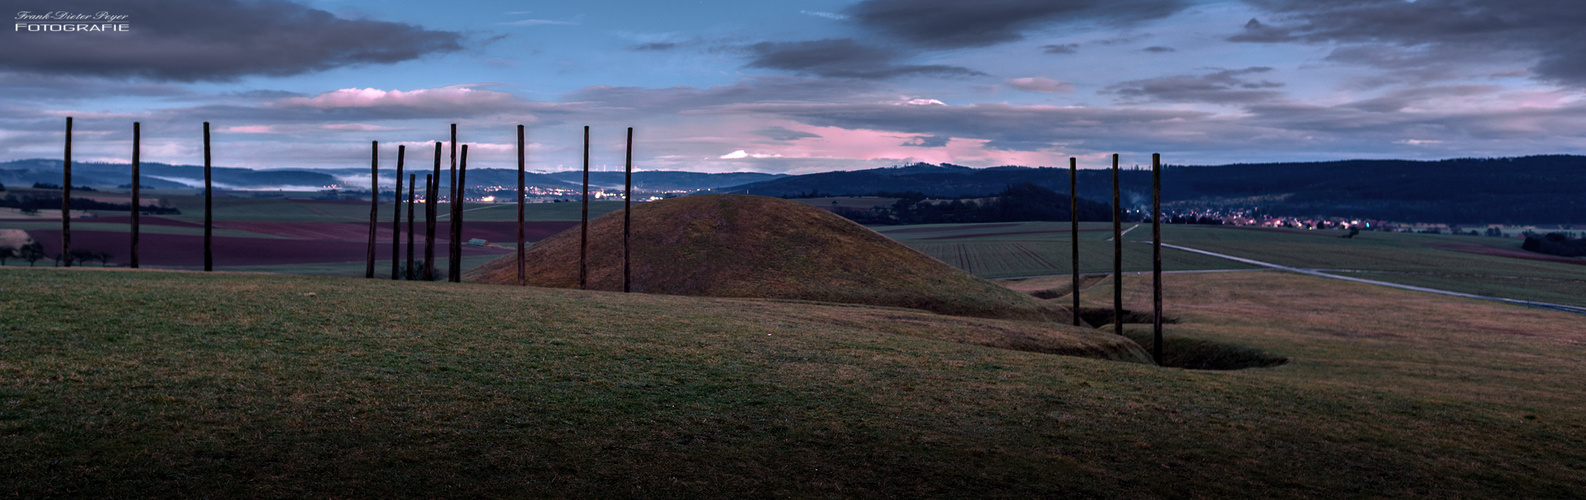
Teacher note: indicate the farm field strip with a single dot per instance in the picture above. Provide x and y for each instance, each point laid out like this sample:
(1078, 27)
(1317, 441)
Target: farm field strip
(1310, 272)
(1402, 258)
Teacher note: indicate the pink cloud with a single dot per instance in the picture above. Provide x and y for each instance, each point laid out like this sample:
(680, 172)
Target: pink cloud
(457, 99)
(1041, 85)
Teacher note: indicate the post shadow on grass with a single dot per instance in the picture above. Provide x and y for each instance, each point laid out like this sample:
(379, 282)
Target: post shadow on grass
(1180, 351)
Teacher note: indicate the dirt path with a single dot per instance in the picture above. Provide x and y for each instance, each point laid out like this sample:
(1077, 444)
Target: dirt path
(1124, 232)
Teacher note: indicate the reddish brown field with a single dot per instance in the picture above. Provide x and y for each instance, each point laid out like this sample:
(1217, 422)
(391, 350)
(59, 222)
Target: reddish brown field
(147, 220)
(188, 250)
(1511, 253)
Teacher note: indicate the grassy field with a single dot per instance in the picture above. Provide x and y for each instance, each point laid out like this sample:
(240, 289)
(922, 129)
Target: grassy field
(1437, 261)
(127, 384)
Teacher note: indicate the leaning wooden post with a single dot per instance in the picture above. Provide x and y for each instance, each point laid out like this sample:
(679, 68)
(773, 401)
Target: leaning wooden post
(457, 220)
(522, 277)
(137, 139)
(1117, 252)
(1073, 231)
(374, 202)
(454, 247)
(431, 212)
(209, 208)
(627, 204)
(396, 218)
(1156, 258)
(66, 198)
(583, 241)
(411, 180)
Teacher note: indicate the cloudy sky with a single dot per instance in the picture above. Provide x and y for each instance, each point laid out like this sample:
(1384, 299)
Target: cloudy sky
(802, 86)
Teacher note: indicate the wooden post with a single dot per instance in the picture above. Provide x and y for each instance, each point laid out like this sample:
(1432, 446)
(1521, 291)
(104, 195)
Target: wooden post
(396, 218)
(1156, 258)
(374, 202)
(457, 220)
(627, 204)
(66, 198)
(411, 180)
(522, 277)
(431, 211)
(429, 223)
(1073, 235)
(137, 205)
(1117, 252)
(209, 208)
(454, 247)
(583, 242)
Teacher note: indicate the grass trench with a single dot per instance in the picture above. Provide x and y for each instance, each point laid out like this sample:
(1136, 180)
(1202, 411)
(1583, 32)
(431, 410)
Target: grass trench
(131, 384)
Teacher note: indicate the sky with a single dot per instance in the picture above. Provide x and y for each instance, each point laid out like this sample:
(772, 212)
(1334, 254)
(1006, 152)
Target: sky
(798, 86)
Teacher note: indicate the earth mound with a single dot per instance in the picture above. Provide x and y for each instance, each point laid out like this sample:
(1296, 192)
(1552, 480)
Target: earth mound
(762, 247)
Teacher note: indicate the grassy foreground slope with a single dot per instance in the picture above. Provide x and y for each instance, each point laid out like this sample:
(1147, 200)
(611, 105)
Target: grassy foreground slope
(123, 384)
(762, 247)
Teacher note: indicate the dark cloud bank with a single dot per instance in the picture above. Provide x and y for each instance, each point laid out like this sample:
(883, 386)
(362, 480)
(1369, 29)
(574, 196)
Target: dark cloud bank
(214, 40)
(1435, 30)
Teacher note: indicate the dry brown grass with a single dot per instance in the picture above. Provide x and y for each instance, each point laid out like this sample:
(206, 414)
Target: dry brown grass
(761, 247)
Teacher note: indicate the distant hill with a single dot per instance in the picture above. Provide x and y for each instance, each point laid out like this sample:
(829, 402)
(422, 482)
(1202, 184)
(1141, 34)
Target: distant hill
(1532, 189)
(161, 175)
(166, 176)
(662, 180)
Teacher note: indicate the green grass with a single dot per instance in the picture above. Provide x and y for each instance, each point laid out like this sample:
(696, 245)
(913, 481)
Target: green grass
(1411, 259)
(382, 268)
(133, 384)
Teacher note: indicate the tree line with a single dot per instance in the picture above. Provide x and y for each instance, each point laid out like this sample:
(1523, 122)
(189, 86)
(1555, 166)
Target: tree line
(1018, 202)
(1559, 244)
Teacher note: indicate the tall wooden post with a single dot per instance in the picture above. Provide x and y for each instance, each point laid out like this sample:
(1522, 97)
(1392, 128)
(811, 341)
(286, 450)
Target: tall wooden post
(411, 180)
(454, 247)
(209, 208)
(627, 205)
(457, 220)
(396, 218)
(431, 212)
(1117, 252)
(522, 277)
(137, 204)
(1073, 234)
(374, 202)
(583, 241)
(429, 224)
(66, 198)
(1156, 258)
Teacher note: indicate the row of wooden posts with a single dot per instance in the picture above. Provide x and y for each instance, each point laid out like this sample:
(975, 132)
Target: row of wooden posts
(1117, 249)
(459, 172)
